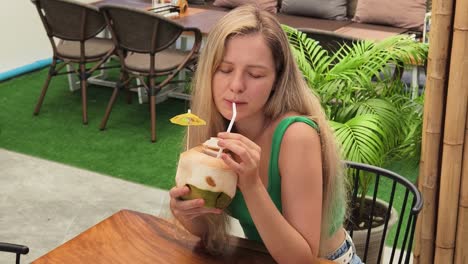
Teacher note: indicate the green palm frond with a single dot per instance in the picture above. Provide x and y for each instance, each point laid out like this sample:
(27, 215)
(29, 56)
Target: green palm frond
(389, 117)
(361, 138)
(412, 118)
(350, 66)
(369, 109)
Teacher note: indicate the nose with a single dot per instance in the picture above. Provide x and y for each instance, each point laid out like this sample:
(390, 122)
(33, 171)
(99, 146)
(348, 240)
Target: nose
(237, 84)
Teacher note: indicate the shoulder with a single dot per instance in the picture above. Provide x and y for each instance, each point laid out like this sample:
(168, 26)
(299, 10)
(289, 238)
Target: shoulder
(300, 151)
(298, 131)
(301, 134)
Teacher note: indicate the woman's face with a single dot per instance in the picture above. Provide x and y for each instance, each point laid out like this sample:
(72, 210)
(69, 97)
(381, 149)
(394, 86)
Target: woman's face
(245, 76)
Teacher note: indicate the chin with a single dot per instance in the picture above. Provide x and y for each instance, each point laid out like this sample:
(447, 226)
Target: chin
(228, 115)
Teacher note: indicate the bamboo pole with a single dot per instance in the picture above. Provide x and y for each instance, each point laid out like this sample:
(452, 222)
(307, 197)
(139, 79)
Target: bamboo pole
(454, 136)
(417, 248)
(436, 85)
(461, 249)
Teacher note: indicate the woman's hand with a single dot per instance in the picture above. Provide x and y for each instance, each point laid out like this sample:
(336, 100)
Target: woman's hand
(187, 210)
(245, 158)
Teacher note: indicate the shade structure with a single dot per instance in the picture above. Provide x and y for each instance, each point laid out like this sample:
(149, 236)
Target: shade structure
(441, 235)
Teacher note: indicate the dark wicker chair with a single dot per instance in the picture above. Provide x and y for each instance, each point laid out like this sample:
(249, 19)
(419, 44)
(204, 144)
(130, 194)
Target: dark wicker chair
(408, 212)
(76, 26)
(14, 248)
(144, 43)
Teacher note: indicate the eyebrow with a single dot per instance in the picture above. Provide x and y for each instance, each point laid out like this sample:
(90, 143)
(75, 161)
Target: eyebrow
(249, 65)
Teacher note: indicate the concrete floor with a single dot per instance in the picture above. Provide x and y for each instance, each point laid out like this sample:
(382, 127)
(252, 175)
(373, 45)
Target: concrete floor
(44, 204)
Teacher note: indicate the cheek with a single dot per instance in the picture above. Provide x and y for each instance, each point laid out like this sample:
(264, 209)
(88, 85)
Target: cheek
(217, 92)
(216, 88)
(263, 91)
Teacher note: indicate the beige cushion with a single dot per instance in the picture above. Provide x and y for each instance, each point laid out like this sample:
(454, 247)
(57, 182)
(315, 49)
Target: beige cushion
(398, 13)
(95, 48)
(268, 5)
(165, 60)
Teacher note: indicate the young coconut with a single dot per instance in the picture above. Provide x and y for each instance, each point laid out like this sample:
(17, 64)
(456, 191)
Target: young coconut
(207, 177)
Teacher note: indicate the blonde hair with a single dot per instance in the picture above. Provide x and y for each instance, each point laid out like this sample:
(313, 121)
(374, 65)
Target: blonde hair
(290, 93)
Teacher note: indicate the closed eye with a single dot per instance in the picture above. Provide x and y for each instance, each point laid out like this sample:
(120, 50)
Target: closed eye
(256, 76)
(224, 70)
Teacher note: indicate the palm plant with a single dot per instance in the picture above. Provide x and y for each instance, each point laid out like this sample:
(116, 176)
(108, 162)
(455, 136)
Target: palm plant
(369, 110)
(371, 113)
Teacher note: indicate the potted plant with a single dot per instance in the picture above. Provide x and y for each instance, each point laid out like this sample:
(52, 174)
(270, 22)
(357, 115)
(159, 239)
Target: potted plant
(359, 95)
(371, 112)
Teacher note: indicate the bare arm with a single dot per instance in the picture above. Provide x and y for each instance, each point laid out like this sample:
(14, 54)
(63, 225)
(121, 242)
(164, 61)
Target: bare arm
(294, 236)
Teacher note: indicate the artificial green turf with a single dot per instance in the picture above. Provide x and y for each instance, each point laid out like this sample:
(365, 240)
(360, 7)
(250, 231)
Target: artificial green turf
(122, 150)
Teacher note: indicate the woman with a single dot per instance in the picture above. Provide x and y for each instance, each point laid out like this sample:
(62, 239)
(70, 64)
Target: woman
(291, 193)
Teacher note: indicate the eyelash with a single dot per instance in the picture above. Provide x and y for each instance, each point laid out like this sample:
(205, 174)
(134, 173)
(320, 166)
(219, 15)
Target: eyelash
(255, 76)
(224, 71)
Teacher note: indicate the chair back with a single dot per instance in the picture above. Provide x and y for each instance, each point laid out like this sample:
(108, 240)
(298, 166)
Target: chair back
(14, 248)
(140, 31)
(400, 194)
(70, 20)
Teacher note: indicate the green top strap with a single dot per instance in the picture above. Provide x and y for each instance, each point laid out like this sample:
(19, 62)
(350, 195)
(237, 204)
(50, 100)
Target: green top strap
(238, 208)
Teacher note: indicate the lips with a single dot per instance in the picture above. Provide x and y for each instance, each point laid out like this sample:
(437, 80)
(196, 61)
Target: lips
(234, 101)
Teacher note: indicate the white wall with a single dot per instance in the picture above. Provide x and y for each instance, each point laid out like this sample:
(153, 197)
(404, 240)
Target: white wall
(22, 36)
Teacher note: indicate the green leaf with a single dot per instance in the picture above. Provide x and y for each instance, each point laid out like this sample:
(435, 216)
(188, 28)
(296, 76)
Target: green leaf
(361, 139)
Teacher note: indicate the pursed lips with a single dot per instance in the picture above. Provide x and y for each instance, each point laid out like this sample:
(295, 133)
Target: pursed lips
(234, 101)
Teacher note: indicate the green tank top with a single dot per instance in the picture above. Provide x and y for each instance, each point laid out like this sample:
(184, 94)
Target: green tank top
(238, 208)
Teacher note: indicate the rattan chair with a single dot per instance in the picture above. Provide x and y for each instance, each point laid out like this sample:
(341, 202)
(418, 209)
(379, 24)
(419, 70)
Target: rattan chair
(404, 223)
(14, 248)
(144, 42)
(75, 26)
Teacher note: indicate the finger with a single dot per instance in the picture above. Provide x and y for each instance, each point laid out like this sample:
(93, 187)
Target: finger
(191, 212)
(177, 192)
(185, 205)
(239, 149)
(231, 163)
(202, 211)
(236, 136)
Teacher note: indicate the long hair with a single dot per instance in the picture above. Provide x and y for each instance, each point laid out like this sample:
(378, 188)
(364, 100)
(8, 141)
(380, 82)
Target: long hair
(290, 93)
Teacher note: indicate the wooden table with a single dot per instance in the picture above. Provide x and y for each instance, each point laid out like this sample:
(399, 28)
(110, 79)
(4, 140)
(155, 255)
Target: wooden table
(129, 237)
(132, 238)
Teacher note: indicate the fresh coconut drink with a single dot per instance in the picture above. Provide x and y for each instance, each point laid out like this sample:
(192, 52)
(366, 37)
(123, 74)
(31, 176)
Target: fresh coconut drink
(202, 169)
(207, 176)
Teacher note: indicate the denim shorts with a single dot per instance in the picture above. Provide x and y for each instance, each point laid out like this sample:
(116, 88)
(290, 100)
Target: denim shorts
(346, 248)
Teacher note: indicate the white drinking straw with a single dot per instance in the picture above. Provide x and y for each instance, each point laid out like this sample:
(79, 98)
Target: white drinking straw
(234, 114)
(188, 130)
